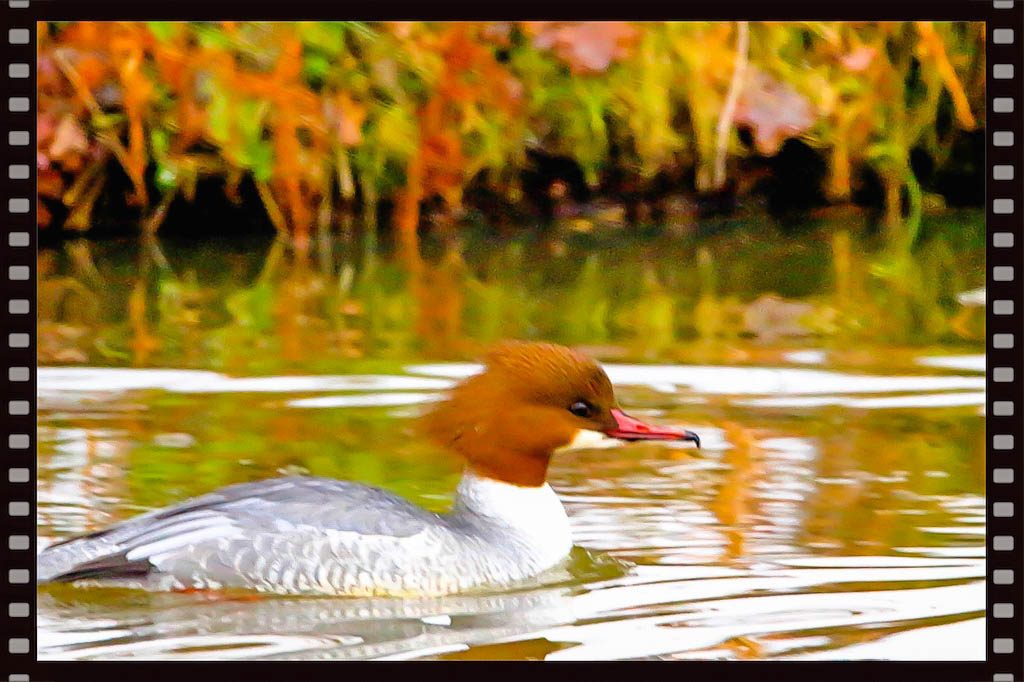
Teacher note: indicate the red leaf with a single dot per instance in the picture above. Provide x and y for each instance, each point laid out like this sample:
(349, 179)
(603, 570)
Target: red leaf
(498, 32)
(49, 184)
(46, 124)
(68, 140)
(773, 110)
(858, 60)
(586, 46)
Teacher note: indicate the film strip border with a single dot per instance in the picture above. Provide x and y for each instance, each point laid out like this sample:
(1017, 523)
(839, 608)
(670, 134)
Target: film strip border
(19, 327)
(1005, 470)
(1005, 600)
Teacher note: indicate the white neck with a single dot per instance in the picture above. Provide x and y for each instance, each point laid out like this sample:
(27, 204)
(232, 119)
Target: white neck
(535, 514)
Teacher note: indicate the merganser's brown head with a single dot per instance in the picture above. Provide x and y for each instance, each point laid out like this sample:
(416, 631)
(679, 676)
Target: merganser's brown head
(531, 401)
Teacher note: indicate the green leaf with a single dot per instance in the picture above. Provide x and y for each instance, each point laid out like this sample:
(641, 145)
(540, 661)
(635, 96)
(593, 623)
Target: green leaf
(211, 36)
(160, 141)
(885, 151)
(328, 36)
(260, 159)
(315, 67)
(106, 121)
(166, 177)
(218, 116)
(163, 30)
(250, 119)
(396, 133)
(360, 28)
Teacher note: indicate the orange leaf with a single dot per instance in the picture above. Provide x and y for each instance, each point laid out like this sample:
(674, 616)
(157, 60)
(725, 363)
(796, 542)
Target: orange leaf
(351, 115)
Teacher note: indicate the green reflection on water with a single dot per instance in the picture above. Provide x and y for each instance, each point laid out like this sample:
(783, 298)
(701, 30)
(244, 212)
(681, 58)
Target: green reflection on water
(250, 308)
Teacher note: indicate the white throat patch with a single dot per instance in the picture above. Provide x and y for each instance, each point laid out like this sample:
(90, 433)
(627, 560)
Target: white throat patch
(534, 513)
(585, 439)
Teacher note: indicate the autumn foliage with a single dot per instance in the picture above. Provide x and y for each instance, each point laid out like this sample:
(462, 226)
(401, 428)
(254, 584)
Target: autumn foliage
(331, 117)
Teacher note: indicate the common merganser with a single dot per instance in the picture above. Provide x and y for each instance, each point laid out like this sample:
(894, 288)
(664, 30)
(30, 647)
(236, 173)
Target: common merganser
(305, 535)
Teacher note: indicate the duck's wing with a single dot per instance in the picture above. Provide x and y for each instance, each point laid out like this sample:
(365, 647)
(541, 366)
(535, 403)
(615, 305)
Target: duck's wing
(248, 529)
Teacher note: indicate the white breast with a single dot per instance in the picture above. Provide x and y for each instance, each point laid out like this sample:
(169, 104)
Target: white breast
(535, 514)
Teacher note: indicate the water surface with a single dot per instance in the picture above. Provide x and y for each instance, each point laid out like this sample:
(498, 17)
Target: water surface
(832, 513)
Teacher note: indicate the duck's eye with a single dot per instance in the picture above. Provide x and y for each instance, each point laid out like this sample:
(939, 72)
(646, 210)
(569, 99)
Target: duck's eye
(581, 408)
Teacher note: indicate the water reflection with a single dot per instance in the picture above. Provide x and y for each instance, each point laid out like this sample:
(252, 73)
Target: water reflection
(257, 309)
(309, 628)
(821, 529)
(836, 508)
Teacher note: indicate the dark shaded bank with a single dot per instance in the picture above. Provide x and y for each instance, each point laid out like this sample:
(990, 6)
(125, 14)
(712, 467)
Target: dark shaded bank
(789, 186)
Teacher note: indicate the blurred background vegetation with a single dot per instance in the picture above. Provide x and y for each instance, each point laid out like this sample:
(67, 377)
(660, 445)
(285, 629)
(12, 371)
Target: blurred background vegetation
(413, 184)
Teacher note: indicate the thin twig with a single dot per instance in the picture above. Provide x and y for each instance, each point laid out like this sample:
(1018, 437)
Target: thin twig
(152, 247)
(273, 210)
(76, 80)
(731, 101)
(937, 48)
(154, 220)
